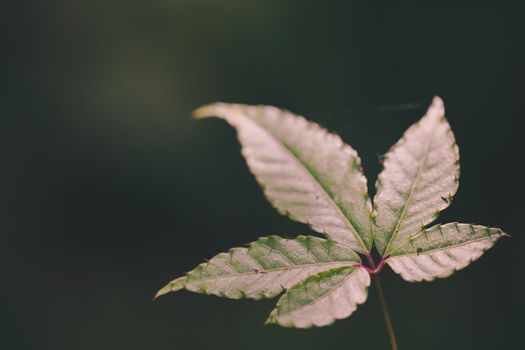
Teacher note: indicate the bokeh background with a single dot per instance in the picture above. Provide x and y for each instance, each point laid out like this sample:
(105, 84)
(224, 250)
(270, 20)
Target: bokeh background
(109, 189)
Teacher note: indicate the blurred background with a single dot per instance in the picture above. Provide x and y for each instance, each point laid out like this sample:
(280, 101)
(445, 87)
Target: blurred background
(109, 189)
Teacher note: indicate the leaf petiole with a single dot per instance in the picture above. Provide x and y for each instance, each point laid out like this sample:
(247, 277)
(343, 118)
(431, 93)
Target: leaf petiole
(374, 271)
(384, 309)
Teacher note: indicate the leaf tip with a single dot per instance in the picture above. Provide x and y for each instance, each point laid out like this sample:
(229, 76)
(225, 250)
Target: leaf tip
(437, 101)
(206, 111)
(173, 286)
(271, 319)
(436, 111)
(164, 290)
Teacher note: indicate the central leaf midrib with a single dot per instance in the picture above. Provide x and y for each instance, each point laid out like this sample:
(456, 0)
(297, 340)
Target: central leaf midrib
(402, 217)
(294, 267)
(441, 248)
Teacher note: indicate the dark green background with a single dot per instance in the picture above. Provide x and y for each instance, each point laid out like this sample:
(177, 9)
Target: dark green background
(109, 189)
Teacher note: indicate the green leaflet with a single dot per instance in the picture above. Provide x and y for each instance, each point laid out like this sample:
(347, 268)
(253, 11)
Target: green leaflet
(420, 177)
(441, 250)
(265, 268)
(306, 172)
(322, 298)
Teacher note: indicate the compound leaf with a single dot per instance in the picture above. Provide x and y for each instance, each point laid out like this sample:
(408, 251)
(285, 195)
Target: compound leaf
(305, 172)
(265, 268)
(441, 250)
(420, 177)
(313, 177)
(322, 298)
